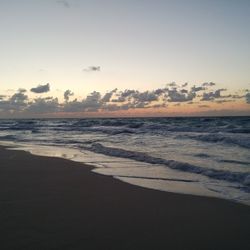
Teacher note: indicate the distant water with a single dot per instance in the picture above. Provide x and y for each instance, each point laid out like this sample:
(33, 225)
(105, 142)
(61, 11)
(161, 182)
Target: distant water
(201, 156)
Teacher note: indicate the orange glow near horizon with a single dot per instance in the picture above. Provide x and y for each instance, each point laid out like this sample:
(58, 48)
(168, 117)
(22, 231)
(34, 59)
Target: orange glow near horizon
(182, 110)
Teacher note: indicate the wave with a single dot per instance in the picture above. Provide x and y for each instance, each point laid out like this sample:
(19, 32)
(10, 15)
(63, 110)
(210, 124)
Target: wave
(202, 155)
(8, 137)
(235, 162)
(239, 177)
(155, 178)
(236, 125)
(242, 141)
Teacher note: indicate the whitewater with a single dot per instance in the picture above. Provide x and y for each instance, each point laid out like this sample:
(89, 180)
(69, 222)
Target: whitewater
(207, 156)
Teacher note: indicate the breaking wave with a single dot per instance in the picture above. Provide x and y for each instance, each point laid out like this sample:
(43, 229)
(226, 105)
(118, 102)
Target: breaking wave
(239, 177)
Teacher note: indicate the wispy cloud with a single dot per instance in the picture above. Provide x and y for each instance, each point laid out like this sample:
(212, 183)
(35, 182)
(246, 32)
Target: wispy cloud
(64, 3)
(203, 106)
(92, 68)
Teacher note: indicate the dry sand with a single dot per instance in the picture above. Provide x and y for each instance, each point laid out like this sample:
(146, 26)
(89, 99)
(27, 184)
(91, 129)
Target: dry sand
(52, 203)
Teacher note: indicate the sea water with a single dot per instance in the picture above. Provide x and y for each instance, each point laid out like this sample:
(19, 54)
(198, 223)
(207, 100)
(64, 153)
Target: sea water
(198, 155)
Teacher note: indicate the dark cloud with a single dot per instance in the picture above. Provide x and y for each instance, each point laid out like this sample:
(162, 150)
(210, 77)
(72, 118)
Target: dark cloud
(172, 84)
(127, 99)
(93, 99)
(160, 91)
(17, 102)
(147, 96)
(41, 88)
(67, 94)
(210, 96)
(18, 98)
(196, 89)
(119, 99)
(184, 91)
(44, 105)
(208, 84)
(127, 93)
(177, 96)
(91, 103)
(114, 100)
(107, 97)
(139, 105)
(92, 68)
(73, 106)
(248, 98)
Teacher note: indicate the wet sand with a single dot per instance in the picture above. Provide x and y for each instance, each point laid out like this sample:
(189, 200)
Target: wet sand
(52, 203)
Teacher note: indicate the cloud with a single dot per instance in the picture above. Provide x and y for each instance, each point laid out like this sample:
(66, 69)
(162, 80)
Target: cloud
(18, 98)
(160, 91)
(92, 68)
(115, 107)
(208, 84)
(67, 94)
(91, 103)
(21, 90)
(223, 101)
(64, 3)
(210, 96)
(176, 96)
(146, 96)
(184, 91)
(248, 98)
(44, 105)
(16, 102)
(137, 99)
(196, 89)
(127, 93)
(124, 100)
(203, 106)
(41, 88)
(108, 95)
(114, 100)
(162, 105)
(119, 99)
(236, 96)
(172, 84)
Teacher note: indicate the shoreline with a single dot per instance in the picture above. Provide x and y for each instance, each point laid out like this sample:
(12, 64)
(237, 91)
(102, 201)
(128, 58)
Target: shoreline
(63, 153)
(54, 203)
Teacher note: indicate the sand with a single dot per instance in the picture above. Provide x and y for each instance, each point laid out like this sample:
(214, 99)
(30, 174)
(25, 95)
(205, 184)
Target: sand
(52, 203)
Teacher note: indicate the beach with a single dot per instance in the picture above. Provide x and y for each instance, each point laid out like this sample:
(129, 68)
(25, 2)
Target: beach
(53, 203)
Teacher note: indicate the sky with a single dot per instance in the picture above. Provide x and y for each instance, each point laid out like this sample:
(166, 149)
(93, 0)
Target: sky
(77, 58)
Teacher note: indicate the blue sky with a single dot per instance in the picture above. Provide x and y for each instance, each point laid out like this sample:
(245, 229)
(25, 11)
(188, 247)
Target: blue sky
(139, 44)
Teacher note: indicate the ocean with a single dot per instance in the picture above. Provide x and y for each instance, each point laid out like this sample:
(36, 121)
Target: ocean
(206, 156)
